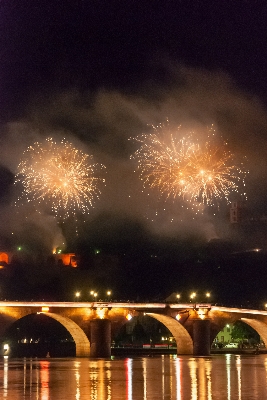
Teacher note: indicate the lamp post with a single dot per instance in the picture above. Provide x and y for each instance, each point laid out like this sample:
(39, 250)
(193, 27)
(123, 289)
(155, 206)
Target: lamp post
(92, 292)
(77, 295)
(193, 295)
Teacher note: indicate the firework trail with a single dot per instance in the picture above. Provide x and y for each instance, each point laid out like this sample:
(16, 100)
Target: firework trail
(60, 176)
(183, 167)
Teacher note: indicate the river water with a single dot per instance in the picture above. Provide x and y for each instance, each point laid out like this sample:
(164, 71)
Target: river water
(166, 377)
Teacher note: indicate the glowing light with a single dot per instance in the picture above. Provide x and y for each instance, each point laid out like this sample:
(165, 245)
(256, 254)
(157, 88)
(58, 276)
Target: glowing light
(101, 313)
(185, 167)
(178, 317)
(45, 309)
(129, 317)
(201, 315)
(59, 176)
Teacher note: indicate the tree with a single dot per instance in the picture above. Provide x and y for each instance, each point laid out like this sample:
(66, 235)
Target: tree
(242, 331)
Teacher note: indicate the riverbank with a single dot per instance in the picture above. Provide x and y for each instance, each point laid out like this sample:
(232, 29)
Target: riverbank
(125, 351)
(122, 351)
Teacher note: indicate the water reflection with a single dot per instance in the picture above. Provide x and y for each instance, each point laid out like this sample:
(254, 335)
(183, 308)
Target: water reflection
(208, 366)
(5, 381)
(178, 376)
(221, 377)
(193, 375)
(238, 369)
(93, 375)
(77, 379)
(228, 371)
(145, 377)
(44, 379)
(129, 382)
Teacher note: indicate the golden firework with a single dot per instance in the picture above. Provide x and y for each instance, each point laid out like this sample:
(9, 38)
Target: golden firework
(184, 167)
(59, 175)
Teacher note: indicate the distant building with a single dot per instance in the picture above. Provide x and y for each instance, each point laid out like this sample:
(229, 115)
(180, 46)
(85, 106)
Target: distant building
(68, 259)
(236, 212)
(225, 335)
(4, 259)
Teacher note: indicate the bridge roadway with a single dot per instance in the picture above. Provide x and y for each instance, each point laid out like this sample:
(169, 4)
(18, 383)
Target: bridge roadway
(93, 325)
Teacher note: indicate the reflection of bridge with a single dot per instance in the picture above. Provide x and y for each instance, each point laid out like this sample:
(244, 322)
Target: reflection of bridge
(93, 325)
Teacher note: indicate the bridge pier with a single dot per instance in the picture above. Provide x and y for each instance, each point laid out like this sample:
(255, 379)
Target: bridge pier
(100, 338)
(201, 337)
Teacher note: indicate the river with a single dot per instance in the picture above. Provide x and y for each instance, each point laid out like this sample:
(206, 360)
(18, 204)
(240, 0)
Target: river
(166, 377)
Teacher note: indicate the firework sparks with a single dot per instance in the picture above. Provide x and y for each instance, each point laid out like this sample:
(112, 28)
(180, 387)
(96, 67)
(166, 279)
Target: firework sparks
(61, 176)
(183, 167)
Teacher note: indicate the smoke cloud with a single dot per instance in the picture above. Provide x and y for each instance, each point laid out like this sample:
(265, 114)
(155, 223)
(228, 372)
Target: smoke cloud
(101, 123)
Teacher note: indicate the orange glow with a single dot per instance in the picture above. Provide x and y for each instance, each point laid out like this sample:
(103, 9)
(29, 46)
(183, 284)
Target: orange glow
(4, 257)
(68, 259)
(44, 378)
(45, 309)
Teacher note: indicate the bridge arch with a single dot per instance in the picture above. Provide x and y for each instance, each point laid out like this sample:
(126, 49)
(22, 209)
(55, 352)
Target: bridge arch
(81, 340)
(259, 326)
(183, 339)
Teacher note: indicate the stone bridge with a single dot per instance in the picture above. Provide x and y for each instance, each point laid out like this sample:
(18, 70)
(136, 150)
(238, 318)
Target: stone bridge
(93, 325)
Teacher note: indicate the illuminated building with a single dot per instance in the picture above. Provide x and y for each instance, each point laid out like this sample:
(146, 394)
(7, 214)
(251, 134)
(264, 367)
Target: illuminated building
(68, 259)
(5, 259)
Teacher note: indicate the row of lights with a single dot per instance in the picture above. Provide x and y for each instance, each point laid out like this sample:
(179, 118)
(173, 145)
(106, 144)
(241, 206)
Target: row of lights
(193, 295)
(92, 293)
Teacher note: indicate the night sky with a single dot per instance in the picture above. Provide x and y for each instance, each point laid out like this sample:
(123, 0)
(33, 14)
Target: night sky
(101, 72)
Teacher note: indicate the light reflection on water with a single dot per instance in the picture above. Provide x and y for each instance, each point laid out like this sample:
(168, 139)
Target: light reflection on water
(231, 377)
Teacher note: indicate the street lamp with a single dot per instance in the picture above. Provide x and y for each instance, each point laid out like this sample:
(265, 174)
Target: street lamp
(77, 295)
(178, 296)
(193, 295)
(208, 294)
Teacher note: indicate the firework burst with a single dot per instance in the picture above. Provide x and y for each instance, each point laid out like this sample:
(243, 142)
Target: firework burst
(183, 167)
(60, 176)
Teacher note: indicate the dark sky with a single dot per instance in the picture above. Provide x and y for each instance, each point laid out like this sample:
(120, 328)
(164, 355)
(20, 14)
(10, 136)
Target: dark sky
(99, 72)
(119, 45)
